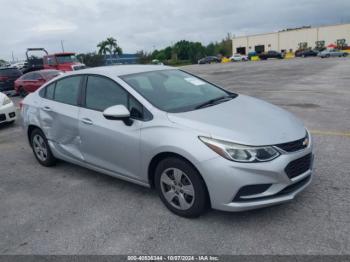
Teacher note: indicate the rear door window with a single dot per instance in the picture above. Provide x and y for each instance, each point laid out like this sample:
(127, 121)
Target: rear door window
(67, 90)
(50, 91)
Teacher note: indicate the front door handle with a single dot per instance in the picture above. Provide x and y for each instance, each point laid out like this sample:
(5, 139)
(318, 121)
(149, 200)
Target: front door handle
(86, 121)
(47, 108)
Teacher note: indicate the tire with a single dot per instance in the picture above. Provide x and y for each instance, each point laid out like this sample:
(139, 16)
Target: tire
(22, 92)
(41, 148)
(327, 56)
(176, 176)
(345, 55)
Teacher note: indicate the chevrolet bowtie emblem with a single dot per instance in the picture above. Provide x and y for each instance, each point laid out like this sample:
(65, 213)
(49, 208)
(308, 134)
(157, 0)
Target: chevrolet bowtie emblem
(305, 142)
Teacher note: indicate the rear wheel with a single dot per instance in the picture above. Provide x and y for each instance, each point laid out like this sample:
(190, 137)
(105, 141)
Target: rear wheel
(181, 187)
(41, 148)
(345, 55)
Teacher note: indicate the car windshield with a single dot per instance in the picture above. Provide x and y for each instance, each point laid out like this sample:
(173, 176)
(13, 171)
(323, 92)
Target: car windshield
(174, 90)
(63, 59)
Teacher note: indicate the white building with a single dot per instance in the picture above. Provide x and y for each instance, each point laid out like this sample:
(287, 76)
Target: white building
(291, 39)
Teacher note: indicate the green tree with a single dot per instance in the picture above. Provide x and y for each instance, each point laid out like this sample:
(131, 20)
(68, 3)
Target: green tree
(91, 59)
(168, 52)
(210, 49)
(2, 62)
(144, 57)
(110, 46)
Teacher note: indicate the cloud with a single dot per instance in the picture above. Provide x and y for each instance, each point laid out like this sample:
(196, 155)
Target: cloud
(149, 24)
(56, 28)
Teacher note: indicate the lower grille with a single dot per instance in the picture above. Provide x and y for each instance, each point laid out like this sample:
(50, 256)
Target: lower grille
(287, 190)
(251, 190)
(298, 166)
(295, 186)
(2, 117)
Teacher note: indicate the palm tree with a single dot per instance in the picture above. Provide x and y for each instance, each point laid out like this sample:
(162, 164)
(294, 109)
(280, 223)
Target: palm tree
(102, 48)
(110, 46)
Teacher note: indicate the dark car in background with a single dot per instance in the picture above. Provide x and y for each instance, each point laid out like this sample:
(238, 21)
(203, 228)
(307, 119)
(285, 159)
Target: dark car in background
(8, 77)
(209, 60)
(306, 53)
(31, 81)
(271, 54)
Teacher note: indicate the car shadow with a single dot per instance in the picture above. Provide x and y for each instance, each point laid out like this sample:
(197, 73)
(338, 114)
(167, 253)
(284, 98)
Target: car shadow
(4, 126)
(113, 184)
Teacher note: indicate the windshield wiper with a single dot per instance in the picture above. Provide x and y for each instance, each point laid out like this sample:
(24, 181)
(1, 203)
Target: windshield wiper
(215, 101)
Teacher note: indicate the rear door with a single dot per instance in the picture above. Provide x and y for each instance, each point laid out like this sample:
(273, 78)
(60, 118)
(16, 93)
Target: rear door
(110, 144)
(59, 115)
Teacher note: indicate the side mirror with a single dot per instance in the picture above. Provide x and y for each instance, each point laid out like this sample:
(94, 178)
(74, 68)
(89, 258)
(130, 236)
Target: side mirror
(118, 112)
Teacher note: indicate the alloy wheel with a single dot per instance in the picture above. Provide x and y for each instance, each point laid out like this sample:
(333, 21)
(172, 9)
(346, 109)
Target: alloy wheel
(177, 188)
(40, 147)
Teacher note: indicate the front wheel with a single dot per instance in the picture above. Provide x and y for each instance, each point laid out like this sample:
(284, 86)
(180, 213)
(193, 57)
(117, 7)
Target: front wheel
(181, 188)
(41, 148)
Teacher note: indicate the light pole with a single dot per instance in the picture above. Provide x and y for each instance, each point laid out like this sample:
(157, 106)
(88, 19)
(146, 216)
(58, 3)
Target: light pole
(62, 46)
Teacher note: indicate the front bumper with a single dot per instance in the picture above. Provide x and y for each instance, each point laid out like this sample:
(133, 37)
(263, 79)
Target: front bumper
(8, 113)
(225, 180)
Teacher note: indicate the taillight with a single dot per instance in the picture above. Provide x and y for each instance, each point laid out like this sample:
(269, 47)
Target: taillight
(3, 78)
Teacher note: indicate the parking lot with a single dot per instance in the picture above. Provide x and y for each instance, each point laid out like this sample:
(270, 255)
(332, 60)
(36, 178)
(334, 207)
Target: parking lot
(71, 210)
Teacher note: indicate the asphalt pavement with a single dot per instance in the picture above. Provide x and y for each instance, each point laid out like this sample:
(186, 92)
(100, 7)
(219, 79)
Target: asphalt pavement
(71, 210)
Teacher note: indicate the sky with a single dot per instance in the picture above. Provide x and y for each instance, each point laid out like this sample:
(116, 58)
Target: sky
(150, 24)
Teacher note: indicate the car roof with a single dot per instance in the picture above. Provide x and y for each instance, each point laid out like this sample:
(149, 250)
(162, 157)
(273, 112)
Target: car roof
(47, 70)
(120, 70)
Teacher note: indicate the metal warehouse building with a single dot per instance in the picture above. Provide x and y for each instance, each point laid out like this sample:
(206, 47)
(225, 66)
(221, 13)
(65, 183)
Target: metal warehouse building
(293, 39)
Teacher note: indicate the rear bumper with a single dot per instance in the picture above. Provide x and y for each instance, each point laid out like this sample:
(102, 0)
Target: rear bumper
(8, 113)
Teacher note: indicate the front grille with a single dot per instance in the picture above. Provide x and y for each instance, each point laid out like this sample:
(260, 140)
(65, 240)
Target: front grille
(294, 145)
(79, 67)
(2, 117)
(298, 166)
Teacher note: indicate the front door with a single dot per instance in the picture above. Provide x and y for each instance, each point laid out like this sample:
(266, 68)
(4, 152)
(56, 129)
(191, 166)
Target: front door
(108, 144)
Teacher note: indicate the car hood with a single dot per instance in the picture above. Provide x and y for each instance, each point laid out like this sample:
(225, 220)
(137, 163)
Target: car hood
(244, 120)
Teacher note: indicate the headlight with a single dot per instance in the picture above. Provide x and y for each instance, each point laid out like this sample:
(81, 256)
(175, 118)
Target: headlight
(6, 101)
(240, 153)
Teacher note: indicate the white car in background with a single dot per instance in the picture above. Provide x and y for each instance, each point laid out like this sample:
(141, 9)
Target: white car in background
(7, 109)
(238, 58)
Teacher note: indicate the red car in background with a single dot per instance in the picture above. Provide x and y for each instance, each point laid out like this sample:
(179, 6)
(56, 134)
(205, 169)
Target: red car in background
(31, 81)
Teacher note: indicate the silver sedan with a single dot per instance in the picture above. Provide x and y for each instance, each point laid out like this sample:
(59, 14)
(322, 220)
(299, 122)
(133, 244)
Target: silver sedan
(332, 53)
(197, 144)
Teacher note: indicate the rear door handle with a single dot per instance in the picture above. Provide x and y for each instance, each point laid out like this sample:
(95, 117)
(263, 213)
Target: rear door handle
(47, 108)
(86, 121)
